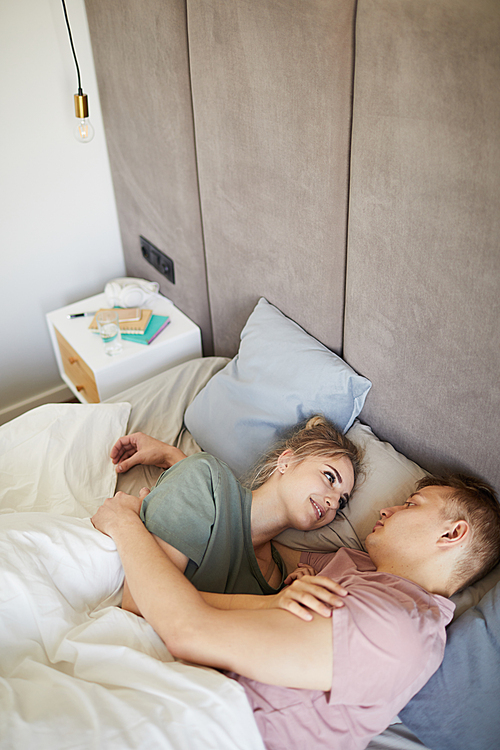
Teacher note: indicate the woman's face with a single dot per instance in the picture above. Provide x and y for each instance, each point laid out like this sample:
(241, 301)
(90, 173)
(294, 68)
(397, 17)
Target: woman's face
(313, 489)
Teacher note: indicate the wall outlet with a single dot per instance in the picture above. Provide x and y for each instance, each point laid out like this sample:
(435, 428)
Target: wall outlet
(158, 260)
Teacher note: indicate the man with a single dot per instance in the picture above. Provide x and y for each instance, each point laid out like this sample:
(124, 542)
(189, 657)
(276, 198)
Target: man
(307, 689)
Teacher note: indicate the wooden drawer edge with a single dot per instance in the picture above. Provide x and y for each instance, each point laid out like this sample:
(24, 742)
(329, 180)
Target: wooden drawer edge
(77, 370)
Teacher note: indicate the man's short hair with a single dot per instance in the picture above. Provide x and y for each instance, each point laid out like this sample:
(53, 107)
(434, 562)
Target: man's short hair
(474, 501)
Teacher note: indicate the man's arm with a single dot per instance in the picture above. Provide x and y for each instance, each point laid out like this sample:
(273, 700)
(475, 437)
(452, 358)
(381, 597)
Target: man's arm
(306, 595)
(271, 646)
(178, 558)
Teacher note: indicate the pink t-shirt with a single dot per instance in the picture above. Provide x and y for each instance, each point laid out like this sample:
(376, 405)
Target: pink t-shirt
(388, 640)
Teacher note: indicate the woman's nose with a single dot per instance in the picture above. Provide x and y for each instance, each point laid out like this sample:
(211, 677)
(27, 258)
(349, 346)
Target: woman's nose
(332, 500)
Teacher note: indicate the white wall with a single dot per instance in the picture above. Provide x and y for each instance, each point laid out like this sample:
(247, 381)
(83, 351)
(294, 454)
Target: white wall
(59, 235)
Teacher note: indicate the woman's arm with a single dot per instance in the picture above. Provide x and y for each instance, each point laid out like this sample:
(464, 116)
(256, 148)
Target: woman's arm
(306, 595)
(270, 646)
(138, 448)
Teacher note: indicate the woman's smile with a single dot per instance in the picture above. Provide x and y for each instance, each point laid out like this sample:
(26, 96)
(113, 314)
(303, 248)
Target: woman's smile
(318, 510)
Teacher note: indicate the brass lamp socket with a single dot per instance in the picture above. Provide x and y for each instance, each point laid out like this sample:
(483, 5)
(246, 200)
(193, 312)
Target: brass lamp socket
(81, 106)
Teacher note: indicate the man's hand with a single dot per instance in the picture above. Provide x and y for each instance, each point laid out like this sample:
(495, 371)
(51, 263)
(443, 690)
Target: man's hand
(138, 448)
(308, 594)
(121, 508)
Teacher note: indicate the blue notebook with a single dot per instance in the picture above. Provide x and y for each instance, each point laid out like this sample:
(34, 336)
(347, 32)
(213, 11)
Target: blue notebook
(155, 326)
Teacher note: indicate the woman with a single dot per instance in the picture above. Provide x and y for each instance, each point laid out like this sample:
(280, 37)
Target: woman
(216, 530)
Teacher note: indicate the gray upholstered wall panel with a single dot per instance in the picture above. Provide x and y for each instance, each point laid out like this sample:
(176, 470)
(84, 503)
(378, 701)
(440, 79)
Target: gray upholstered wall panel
(141, 58)
(272, 86)
(423, 279)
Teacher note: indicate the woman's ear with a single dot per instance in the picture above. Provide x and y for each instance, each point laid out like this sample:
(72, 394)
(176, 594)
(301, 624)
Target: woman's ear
(284, 460)
(458, 532)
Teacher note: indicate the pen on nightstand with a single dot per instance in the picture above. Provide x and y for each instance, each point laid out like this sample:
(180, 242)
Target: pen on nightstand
(81, 315)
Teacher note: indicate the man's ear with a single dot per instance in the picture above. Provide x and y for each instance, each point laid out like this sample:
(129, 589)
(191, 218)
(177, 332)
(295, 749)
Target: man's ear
(458, 532)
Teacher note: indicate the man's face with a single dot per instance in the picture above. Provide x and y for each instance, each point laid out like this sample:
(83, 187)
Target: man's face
(411, 530)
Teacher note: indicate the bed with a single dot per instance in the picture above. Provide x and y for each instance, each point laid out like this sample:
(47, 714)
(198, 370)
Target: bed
(78, 672)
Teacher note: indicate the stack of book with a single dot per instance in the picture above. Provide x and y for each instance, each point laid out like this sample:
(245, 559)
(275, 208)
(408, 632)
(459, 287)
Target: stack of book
(143, 330)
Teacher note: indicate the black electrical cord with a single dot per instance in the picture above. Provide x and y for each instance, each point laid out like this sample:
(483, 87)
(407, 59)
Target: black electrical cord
(80, 91)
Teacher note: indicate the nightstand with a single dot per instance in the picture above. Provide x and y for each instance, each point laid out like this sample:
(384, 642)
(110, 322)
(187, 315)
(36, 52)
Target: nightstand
(92, 375)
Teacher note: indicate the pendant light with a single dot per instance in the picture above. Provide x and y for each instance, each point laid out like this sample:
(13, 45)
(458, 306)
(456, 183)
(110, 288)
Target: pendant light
(84, 132)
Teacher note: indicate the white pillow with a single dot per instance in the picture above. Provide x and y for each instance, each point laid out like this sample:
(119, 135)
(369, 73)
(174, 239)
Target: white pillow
(56, 458)
(279, 377)
(389, 479)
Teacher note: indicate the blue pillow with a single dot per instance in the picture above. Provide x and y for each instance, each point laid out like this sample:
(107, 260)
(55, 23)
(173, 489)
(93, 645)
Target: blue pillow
(280, 376)
(459, 708)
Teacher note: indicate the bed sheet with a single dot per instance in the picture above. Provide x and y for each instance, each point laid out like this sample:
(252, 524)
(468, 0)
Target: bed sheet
(79, 672)
(76, 671)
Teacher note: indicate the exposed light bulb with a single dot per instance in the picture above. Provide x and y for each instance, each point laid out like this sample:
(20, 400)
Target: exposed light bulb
(84, 131)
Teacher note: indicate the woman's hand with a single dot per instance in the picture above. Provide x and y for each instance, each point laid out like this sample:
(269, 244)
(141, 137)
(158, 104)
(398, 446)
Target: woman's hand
(138, 448)
(300, 571)
(308, 594)
(115, 511)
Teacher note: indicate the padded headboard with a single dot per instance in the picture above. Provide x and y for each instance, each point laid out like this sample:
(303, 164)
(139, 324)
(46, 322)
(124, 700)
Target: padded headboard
(266, 79)
(423, 272)
(228, 128)
(337, 157)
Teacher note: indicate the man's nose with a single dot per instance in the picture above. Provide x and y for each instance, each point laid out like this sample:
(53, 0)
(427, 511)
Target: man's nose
(387, 512)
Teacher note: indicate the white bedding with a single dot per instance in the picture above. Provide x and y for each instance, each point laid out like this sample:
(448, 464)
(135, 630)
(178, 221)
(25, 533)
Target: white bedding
(55, 458)
(75, 670)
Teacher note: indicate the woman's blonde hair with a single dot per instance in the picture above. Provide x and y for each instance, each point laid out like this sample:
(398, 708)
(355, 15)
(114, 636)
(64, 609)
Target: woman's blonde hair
(317, 437)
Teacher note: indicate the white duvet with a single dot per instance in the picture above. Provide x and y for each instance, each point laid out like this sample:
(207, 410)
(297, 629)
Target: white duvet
(75, 670)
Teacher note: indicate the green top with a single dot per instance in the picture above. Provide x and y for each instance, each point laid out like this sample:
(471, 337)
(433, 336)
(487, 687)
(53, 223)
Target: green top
(199, 507)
